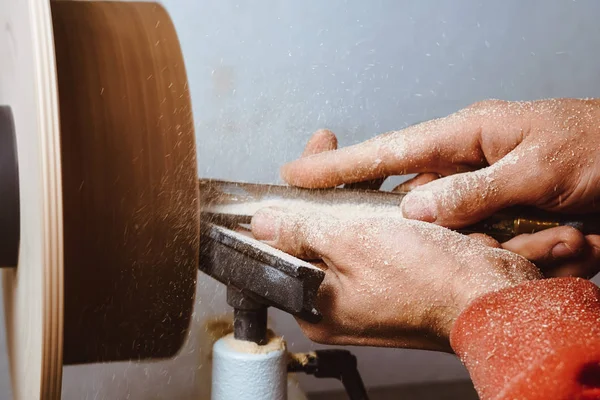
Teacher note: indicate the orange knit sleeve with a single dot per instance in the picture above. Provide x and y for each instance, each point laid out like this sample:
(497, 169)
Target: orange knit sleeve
(536, 341)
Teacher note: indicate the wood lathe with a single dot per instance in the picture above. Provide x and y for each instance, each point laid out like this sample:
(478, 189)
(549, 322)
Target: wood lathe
(104, 223)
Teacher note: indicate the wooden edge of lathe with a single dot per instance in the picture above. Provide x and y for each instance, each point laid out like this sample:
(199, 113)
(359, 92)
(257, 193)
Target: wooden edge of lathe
(33, 291)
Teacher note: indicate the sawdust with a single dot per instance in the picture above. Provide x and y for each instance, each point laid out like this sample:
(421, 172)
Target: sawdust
(337, 209)
(215, 328)
(275, 343)
(302, 358)
(218, 327)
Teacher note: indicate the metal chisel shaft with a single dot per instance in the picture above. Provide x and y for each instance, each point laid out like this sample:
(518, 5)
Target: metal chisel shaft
(229, 203)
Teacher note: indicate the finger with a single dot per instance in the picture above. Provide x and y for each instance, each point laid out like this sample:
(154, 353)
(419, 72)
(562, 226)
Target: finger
(302, 235)
(485, 240)
(462, 199)
(471, 138)
(324, 140)
(321, 141)
(547, 247)
(417, 181)
(585, 266)
(438, 145)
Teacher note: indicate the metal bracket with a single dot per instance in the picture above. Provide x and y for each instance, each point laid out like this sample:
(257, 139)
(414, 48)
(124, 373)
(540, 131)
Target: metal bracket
(332, 363)
(261, 273)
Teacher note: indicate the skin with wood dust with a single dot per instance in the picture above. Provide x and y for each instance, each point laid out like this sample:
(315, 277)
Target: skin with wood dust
(538, 153)
(375, 259)
(489, 156)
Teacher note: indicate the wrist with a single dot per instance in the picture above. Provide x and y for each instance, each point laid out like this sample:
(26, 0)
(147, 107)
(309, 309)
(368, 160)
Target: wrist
(504, 272)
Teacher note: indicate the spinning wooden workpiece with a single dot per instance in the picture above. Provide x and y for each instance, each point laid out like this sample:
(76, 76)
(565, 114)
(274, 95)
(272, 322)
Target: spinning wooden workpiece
(99, 201)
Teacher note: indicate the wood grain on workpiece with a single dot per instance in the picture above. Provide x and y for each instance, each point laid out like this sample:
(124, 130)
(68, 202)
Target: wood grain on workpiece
(129, 181)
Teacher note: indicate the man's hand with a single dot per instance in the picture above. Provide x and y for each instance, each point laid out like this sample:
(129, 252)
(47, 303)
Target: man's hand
(479, 160)
(389, 281)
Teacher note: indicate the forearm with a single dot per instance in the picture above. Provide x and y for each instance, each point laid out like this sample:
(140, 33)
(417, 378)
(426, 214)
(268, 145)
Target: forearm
(538, 340)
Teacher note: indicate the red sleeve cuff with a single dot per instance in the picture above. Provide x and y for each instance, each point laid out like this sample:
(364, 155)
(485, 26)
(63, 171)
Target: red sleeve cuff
(539, 340)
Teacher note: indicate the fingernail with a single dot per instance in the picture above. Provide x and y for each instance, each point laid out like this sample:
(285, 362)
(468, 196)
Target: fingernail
(419, 205)
(562, 250)
(265, 224)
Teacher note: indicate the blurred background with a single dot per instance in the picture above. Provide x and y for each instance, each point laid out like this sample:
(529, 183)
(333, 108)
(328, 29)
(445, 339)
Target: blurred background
(265, 75)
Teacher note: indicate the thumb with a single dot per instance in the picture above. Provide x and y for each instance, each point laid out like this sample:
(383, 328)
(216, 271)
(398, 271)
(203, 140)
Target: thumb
(459, 200)
(299, 234)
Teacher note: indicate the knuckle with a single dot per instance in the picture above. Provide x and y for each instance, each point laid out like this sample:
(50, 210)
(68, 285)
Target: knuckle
(325, 134)
(470, 192)
(514, 265)
(290, 235)
(488, 104)
(296, 238)
(485, 240)
(525, 266)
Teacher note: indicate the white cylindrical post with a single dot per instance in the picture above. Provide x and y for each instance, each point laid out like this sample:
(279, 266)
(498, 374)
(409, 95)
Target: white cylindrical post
(245, 371)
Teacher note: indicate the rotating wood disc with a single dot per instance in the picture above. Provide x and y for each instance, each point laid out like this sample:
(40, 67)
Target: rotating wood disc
(107, 261)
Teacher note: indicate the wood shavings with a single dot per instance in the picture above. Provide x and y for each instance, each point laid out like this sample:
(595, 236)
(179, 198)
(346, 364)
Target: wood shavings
(275, 343)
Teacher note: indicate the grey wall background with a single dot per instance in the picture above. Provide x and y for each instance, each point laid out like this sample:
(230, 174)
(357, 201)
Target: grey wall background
(265, 74)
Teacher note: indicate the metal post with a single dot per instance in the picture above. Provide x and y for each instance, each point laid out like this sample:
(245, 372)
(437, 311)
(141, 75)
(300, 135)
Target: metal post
(249, 317)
